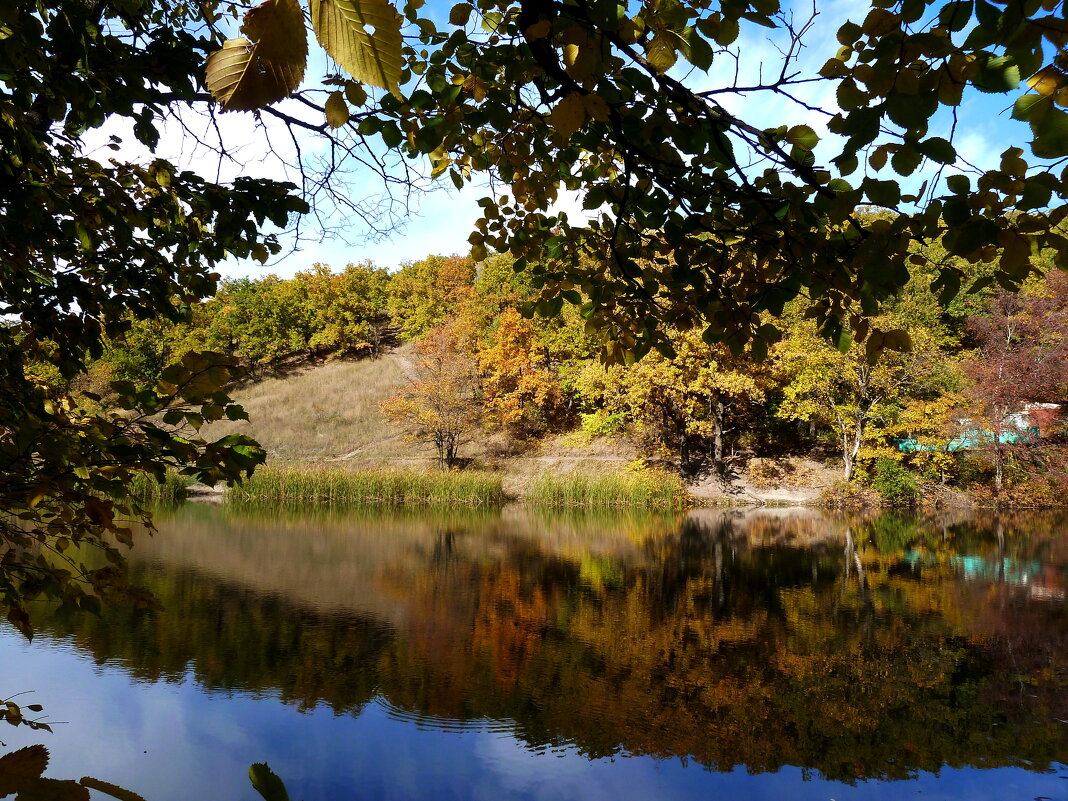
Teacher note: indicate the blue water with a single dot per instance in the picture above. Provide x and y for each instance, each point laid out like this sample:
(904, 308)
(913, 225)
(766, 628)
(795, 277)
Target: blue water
(178, 737)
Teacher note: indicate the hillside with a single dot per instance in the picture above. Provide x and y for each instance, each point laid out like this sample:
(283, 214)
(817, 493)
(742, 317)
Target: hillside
(326, 412)
(329, 414)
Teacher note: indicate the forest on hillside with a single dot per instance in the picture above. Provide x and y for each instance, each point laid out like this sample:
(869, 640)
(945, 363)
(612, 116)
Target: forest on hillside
(965, 394)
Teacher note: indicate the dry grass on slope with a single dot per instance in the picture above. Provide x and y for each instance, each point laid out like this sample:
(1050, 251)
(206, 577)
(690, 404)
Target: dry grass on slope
(326, 412)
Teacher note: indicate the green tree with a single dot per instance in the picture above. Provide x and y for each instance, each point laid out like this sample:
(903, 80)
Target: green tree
(349, 310)
(840, 387)
(424, 293)
(689, 403)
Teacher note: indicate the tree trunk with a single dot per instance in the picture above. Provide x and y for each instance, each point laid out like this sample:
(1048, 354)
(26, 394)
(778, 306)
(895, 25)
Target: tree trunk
(850, 451)
(999, 466)
(717, 442)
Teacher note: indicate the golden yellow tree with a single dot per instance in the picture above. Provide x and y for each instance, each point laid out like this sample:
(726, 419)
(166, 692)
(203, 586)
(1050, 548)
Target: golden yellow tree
(443, 406)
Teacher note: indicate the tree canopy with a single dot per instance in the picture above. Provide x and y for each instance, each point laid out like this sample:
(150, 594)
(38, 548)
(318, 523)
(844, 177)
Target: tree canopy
(700, 216)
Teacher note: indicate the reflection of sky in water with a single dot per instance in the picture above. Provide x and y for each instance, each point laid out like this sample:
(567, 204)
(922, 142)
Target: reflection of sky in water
(179, 742)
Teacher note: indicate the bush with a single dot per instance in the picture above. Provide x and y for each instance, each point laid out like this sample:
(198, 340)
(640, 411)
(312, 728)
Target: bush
(601, 424)
(847, 495)
(894, 483)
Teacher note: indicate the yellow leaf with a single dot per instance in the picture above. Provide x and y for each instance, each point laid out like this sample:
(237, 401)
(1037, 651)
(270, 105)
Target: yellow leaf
(661, 53)
(1046, 81)
(364, 37)
(898, 340)
(337, 113)
(474, 86)
(568, 115)
(264, 66)
(539, 30)
(571, 53)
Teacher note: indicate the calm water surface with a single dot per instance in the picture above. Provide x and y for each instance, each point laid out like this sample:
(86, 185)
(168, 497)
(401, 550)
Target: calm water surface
(518, 655)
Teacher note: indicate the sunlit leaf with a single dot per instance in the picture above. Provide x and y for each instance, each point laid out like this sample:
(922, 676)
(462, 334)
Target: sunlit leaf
(254, 72)
(337, 112)
(996, 74)
(803, 137)
(568, 115)
(363, 36)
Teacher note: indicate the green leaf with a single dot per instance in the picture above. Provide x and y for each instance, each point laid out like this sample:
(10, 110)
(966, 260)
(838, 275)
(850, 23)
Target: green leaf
(727, 32)
(697, 51)
(906, 160)
(959, 184)
(843, 340)
(803, 137)
(1051, 135)
(882, 193)
(460, 14)
(996, 74)
(911, 111)
(391, 134)
(947, 285)
(849, 33)
(955, 15)
(938, 149)
(1031, 107)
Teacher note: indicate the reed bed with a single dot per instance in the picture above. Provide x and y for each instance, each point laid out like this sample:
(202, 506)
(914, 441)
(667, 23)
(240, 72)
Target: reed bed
(395, 487)
(650, 490)
(174, 488)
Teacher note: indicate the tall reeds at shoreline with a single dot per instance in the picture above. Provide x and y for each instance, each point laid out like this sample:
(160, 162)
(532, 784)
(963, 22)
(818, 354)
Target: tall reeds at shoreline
(651, 490)
(376, 486)
(174, 488)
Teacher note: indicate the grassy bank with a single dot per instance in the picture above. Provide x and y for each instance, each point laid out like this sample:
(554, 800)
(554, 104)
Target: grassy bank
(403, 488)
(611, 491)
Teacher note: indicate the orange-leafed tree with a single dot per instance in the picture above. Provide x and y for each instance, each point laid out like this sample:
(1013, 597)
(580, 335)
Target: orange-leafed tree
(522, 392)
(443, 406)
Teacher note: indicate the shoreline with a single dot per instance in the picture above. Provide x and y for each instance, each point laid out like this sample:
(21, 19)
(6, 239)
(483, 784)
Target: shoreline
(606, 490)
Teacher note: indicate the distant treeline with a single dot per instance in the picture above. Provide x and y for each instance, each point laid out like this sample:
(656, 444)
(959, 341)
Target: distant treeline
(489, 361)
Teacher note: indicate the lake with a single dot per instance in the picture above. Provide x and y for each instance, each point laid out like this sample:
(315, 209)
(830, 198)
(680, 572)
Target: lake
(515, 654)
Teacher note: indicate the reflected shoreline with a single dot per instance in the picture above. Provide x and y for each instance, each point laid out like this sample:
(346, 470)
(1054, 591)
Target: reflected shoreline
(855, 647)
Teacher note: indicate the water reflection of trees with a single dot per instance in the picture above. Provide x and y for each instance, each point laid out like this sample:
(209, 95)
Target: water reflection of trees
(854, 657)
